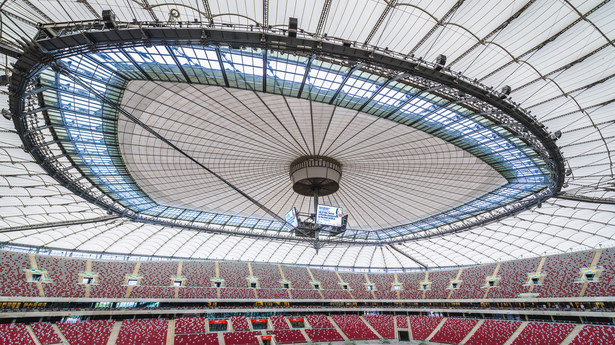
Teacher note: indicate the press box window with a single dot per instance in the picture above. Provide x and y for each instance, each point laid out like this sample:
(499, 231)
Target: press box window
(253, 285)
(177, 283)
(286, 286)
(36, 277)
(88, 280)
(217, 284)
(317, 286)
(132, 282)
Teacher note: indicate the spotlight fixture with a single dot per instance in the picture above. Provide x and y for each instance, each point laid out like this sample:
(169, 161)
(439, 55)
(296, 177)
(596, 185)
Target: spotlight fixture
(6, 114)
(557, 134)
(293, 23)
(109, 19)
(440, 62)
(505, 92)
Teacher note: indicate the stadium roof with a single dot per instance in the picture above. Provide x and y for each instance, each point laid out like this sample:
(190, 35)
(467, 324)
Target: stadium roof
(556, 56)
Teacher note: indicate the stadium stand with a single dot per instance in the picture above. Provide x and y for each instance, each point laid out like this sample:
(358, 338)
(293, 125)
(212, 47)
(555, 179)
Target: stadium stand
(234, 274)
(606, 284)
(15, 334)
(190, 325)
(64, 273)
(383, 284)
(318, 321)
(198, 292)
(293, 336)
(454, 330)
(111, 276)
(298, 276)
(13, 283)
(595, 335)
(402, 321)
(197, 339)
(272, 293)
(324, 335)
(143, 332)
(153, 292)
(279, 322)
(561, 271)
(89, 332)
(45, 333)
(383, 324)
(354, 327)
(335, 294)
(241, 338)
(328, 279)
(422, 326)
(494, 332)
(236, 293)
(439, 282)
(473, 279)
(410, 284)
(513, 275)
(305, 294)
(240, 323)
(158, 273)
(542, 333)
(268, 276)
(199, 273)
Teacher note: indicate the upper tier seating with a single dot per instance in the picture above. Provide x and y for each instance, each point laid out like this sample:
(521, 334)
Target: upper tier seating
(595, 335)
(494, 332)
(402, 321)
(190, 325)
(356, 282)
(152, 292)
(241, 338)
(143, 332)
(87, 332)
(513, 275)
(298, 276)
(64, 274)
(197, 339)
(234, 274)
(439, 282)
(454, 330)
(335, 294)
(383, 324)
(383, 284)
(318, 321)
(543, 333)
(561, 271)
(276, 294)
(305, 294)
(410, 285)
(198, 292)
(268, 276)
(237, 293)
(472, 281)
(327, 279)
(279, 322)
(13, 279)
(199, 273)
(240, 323)
(45, 333)
(606, 285)
(354, 327)
(111, 276)
(15, 334)
(293, 336)
(158, 273)
(324, 334)
(422, 326)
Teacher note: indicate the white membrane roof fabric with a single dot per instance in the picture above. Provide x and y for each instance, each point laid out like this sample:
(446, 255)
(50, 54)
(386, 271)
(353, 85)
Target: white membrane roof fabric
(558, 57)
(392, 174)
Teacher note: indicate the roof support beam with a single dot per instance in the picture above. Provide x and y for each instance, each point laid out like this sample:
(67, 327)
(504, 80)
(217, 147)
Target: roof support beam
(376, 27)
(90, 8)
(408, 256)
(265, 14)
(38, 10)
(323, 17)
(58, 224)
(437, 25)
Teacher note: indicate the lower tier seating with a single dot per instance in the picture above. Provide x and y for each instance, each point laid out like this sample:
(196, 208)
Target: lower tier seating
(293, 336)
(422, 326)
(354, 327)
(15, 334)
(402, 321)
(318, 321)
(383, 324)
(240, 323)
(543, 333)
(454, 330)
(143, 332)
(241, 338)
(45, 333)
(595, 335)
(197, 339)
(279, 322)
(87, 332)
(494, 332)
(190, 325)
(324, 334)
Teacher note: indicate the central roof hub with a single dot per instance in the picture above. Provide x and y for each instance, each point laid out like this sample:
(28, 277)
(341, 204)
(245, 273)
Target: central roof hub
(310, 173)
